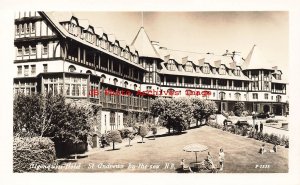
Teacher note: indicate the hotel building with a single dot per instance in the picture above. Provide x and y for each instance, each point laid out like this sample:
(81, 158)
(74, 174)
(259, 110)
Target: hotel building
(81, 61)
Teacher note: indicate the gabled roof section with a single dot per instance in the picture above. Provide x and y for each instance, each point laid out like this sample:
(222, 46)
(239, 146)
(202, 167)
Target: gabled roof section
(111, 38)
(123, 44)
(73, 18)
(91, 29)
(84, 23)
(256, 60)
(99, 31)
(143, 44)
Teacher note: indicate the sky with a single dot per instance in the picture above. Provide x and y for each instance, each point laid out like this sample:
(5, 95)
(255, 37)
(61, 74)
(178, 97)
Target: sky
(204, 32)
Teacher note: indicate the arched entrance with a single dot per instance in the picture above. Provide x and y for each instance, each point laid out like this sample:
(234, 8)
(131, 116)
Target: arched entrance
(266, 108)
(277, 110)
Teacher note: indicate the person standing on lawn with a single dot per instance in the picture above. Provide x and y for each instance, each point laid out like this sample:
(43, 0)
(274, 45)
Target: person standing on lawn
(256, 127)
(261, 127)
(221, 159)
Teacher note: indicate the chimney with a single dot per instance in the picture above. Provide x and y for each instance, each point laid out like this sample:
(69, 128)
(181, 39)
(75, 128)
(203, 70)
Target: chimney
(155, 44)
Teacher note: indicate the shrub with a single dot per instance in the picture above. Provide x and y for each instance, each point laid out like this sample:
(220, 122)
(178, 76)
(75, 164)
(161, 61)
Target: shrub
(275, 140)
(251, 134)
(244, 131)
(35, 154)
(259, 136)
(232, 129)
(114, 136)
(154, 131)
(124, 133)
(284, 140)
(287, 143)
(143, 131)
(266, 137)
(238, 108)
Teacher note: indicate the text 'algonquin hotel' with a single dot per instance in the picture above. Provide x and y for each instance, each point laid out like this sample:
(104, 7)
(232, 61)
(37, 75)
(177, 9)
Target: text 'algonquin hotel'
(73, 58)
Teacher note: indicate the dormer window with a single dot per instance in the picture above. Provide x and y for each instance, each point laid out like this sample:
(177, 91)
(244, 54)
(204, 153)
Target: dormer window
(222, 70)
(171, 65)
(130, 57)
(205, 69)
(214, 70)
(237, 72)
(116, 50)
(189, 67)
(278, 76)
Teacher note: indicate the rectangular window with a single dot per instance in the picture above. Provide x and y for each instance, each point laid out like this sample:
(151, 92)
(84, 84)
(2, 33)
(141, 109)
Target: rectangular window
(27, 28)
(19, 70)
(26, 70)
(20, 52)
(255, 85)
(33, 69)
(45, 49)
(266, 85)
(22, 29)
(26, 51)
(33, 50)
(255, 96)
(33, 28)
(112, 117)
(17, 29)
(45, 66)
(266, 96)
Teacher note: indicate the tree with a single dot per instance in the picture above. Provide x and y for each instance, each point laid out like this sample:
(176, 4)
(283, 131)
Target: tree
(154, 131)
(143, 131)
(238, 108)
(178, 114)
(158, 106)
(50, 116)
(114, 136)
(202, 109)
(130, 137)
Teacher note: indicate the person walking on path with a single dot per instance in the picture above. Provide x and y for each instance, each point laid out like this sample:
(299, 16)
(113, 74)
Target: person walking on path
(221, 159)
(261, 127)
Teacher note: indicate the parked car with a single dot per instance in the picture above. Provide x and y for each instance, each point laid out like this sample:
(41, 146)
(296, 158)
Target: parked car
(242, 124)
(263, 115)
(272, 115)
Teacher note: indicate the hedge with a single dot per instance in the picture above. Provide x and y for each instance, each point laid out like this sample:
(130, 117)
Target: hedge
(269, 138)
(36, 154)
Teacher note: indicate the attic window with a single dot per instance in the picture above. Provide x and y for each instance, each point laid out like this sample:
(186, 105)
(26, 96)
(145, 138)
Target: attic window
(222, 70)
(189, 67)
(205, 69)
(171, 65)
(238, 72)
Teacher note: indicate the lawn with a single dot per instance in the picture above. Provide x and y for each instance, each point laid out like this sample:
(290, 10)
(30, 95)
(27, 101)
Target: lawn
(241, 154)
